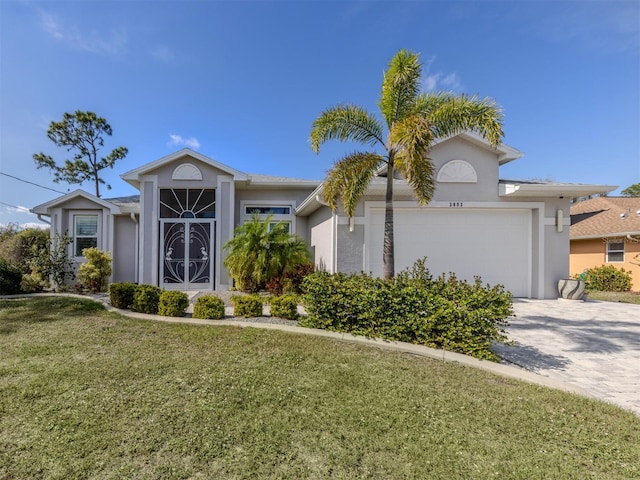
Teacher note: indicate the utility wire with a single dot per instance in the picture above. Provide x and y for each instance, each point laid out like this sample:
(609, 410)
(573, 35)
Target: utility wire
(27, 181)
(13, 206)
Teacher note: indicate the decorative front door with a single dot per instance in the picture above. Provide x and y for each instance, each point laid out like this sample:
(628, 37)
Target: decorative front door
(187, 254)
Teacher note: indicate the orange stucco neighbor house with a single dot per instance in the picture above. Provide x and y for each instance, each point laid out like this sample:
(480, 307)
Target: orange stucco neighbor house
(606, 231)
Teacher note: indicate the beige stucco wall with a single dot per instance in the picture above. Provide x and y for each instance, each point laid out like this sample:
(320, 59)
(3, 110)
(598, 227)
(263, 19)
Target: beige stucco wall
(124, 249)
(321, 238)
(593, 253)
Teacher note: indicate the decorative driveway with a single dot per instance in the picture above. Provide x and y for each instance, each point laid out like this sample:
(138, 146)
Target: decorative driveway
(592, 345)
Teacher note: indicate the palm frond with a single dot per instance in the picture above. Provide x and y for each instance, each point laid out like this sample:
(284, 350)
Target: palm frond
(346, 122)
(411, 138)
(400, 86)
(347, 181)
(449, 114)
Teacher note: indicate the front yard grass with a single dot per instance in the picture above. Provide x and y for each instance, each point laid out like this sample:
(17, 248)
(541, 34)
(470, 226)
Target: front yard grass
(623, 297)
(90, 394)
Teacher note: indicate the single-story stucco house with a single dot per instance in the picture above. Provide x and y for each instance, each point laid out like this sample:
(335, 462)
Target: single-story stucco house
(606, 231)
(510, 232)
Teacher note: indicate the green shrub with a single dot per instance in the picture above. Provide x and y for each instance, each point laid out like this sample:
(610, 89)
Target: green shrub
(413, 307)
(285, 306)
(10, 278)
(95, 273)
(33, 282)
(173, 303)
(209, 307)
(21, 246)
(121, 294)
(291, 281)
(260, 250)
(607, 278)
(54, 262)
(247, 306)
(146, 299)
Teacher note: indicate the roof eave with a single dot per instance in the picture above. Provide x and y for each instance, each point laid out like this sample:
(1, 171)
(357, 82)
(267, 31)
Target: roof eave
(603, 235)
(515, 190)
(42, 209)
(132, 177)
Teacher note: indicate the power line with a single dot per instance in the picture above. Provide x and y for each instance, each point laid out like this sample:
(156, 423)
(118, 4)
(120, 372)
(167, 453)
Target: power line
(13, 206)
(31, 183)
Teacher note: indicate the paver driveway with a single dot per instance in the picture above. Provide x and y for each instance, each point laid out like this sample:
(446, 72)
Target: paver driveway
(592, 345)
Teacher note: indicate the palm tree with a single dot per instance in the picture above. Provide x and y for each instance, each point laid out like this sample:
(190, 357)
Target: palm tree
(261, 250)
(414, 121)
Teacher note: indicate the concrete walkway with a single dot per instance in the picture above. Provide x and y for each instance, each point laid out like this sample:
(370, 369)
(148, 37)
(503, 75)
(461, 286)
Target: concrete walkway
(591, 345)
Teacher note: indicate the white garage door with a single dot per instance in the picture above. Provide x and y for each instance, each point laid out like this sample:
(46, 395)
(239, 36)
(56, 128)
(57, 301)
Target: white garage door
(495, 244)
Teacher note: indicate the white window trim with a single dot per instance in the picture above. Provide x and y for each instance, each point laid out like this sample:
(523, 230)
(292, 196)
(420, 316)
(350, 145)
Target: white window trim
(609, 251)
(290, 218)
(72, 228)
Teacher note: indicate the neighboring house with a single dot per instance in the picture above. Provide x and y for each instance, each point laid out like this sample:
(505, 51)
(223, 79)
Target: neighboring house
(606, 231)
(508, 232)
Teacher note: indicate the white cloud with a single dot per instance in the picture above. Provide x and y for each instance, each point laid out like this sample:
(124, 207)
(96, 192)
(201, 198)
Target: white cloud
(191, 142)
(114, 43)
(163, 54)
(438, 81)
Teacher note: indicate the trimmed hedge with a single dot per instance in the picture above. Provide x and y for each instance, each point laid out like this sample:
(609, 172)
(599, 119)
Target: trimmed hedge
(146, 299)
(173, 303)
(209, 307)
(285, 306)
(607, 278)
(121, 294)
(413, 307)
(247, 306)
(10, 278)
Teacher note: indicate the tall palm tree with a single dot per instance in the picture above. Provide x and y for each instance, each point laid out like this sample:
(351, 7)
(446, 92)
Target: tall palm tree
(414, 121)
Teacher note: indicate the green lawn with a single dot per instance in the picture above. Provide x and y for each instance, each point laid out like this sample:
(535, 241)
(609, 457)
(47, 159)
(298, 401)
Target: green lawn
(89, 394)
(624, 297)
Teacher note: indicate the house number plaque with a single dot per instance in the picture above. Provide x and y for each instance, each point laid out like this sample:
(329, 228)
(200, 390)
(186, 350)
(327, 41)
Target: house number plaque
(455, 204)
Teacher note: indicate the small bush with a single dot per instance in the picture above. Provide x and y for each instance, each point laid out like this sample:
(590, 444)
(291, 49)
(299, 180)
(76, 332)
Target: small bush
(209, 307)
(146, 299)
(285, 306)
(247, 306)
(10, 278)
(33, 283)
(173, 304)
(121, 294)
(95, 273)
(290, 282)
(607, 278)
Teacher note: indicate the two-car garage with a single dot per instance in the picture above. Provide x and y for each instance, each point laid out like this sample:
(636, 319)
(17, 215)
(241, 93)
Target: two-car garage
(492, 243)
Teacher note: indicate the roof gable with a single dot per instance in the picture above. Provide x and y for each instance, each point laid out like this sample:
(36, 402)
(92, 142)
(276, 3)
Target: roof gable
(605, 217)
(133, 176)
(43, 209)
(505, 152)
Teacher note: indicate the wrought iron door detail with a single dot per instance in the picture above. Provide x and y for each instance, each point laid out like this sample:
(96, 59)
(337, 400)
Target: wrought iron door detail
(186, 255)
(199, 244)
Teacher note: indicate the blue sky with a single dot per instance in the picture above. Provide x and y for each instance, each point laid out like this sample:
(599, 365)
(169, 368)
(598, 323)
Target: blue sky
(242, 82)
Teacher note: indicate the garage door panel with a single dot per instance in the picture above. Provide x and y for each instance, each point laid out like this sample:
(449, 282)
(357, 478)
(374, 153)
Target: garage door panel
(494, 244)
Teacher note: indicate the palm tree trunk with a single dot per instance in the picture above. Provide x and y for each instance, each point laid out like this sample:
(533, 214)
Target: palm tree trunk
(388, 258)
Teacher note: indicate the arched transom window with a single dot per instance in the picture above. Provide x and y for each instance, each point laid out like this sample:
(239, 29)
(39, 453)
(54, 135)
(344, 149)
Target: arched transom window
(187, 203)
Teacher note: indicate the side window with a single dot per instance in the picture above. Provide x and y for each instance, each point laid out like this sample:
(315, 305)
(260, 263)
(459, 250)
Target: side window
(279, 212)
(85, 233)
(615, 251)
